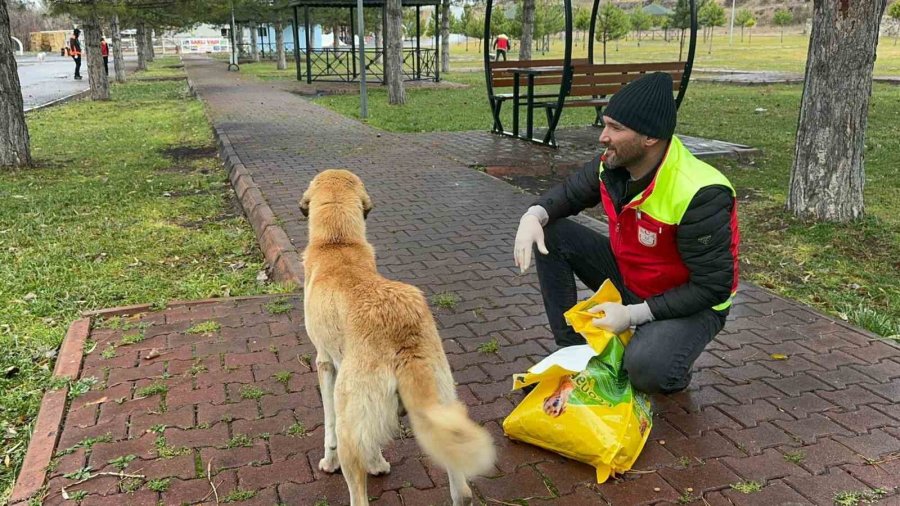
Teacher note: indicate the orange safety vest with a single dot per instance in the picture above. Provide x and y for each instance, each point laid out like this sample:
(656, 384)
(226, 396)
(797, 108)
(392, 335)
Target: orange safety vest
(74, 47)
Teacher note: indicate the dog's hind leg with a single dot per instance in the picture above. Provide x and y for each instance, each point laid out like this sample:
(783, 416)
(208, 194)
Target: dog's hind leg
(327, 373)
(459, 489)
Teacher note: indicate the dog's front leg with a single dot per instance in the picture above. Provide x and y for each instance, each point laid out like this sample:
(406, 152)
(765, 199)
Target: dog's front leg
(327, 374)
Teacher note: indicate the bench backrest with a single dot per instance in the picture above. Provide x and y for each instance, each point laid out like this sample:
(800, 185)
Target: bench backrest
(501, 77)
(599, 80)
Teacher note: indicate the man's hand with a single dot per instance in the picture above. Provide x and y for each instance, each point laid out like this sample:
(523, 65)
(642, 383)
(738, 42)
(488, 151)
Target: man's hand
(530, 232)
(617, 317)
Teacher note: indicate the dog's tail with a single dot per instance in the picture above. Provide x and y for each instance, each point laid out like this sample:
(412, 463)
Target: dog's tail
(444, 431)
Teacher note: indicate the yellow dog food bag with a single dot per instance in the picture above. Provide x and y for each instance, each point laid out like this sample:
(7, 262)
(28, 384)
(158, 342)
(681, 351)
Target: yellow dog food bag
(583, 406)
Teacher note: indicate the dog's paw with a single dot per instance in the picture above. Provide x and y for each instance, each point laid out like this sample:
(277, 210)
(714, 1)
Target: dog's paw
(329, 464)
(378, 468)
(463, 501)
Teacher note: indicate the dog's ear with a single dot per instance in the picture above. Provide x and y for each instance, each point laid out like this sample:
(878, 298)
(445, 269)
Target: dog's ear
(304, 204)
(367, 204)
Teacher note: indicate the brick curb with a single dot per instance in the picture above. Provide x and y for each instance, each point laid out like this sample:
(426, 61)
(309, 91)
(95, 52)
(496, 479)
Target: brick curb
(50, 417)
(279, 253)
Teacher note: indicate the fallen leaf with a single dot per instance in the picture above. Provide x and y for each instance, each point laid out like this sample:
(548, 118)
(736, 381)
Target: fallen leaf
(778, 356)
(151, 354)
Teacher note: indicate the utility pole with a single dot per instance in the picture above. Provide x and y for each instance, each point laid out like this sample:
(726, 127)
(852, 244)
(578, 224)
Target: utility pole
(731, 30)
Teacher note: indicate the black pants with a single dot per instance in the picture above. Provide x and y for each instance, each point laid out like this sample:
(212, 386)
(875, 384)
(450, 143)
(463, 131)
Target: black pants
(499, 53)
(106, 64)
(661, 353)
(77, 65)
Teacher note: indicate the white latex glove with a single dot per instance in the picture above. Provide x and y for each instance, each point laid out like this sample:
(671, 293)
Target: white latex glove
(531, 231)
(617, 317)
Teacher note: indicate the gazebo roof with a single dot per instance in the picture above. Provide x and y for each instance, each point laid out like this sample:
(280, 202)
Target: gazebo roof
(657, 10)
(352, 3)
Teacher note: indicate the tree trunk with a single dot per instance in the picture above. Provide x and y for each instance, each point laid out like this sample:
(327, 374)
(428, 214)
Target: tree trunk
(239, 42)
(118, 59)
(604, 52)
(827, 177)
(14, 142)
(151, 55)
(527, 30)
(254, 37)
(681, 45)
(445, 36)
(140, 40)
(393, 53)
(281, 58)
(335, 31)
(96, 76)
(379, 44)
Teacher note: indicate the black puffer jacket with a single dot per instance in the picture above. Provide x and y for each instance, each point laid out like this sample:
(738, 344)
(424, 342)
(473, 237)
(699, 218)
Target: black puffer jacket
(703, 236)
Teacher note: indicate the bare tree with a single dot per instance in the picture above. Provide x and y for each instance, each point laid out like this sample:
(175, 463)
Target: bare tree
(527, 30)
(140, 40)
(14, 142)
(96, 75)
(827, 177)
(281, 58)
(445, 36)
(118, 59)
(393, 52)
(254, 36)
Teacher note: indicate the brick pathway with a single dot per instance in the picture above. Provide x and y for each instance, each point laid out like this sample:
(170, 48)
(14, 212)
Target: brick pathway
(823, 421)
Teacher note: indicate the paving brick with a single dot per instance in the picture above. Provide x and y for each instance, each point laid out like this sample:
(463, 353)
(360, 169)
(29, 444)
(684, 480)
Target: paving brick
(808, 430)
(822, 489)
(762, 468)
(238, 457)
(754, 440)
(710, 445)
(862, 420)
(639, 491)
(884, 475)
(750, 415)
(696, 424)
(197, 490)
(704, 477)
(523, 483)
(826, 453)
(565, 476)
(798, 384)
(771, 493)
(873, 445)
(217, 435)
(285, 471)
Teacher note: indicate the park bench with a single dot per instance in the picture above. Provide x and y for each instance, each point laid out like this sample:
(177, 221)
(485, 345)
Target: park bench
(502, 78)
(592, 85)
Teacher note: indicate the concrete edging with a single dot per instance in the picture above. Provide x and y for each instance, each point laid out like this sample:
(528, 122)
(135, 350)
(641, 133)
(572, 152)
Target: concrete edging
(49, 422)
(60, 101)
(279, 253)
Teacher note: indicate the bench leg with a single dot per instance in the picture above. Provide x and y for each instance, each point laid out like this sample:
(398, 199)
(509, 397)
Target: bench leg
(598, 119)
(498, 126)
(550, 137)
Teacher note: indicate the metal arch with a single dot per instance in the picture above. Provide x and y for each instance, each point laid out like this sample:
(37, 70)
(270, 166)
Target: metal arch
(689, 64)
(566, 78)
(487, 59)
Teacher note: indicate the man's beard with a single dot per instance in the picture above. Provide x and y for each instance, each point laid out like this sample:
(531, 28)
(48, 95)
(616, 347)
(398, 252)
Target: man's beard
(624, 156)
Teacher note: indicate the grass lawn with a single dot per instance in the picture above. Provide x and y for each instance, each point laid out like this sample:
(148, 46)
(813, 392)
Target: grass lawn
(846, 270)
(127, 205)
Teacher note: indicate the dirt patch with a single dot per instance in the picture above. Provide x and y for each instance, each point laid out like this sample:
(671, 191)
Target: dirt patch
(232, 210)
(161, 78)
(181, 153)
(176, 66)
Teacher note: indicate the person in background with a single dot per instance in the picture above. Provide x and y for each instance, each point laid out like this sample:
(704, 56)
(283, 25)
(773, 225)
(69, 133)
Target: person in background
(501, 45)
(104, 51)
(75, 51)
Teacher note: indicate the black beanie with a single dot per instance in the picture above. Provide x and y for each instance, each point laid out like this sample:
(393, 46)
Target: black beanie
(646, 105)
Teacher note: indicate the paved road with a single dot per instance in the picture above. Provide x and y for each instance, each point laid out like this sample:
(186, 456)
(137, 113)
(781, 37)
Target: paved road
(52, 79)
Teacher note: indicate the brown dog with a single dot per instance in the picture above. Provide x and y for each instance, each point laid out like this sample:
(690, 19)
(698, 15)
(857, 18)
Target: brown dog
(376, 338)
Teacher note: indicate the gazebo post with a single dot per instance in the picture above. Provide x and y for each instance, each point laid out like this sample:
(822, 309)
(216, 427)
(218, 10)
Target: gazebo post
(308, 45)
(352, 43)
(418, 70)
(384, 32)
(438, 22)
(296, 29)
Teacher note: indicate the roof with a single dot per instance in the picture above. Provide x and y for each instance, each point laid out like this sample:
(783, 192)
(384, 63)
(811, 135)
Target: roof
(352, 3)
(658, 10)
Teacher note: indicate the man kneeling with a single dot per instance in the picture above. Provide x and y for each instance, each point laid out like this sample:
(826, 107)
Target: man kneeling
(672, 249)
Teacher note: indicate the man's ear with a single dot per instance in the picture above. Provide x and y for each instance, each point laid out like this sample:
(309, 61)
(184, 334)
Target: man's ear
(304, 204)
(367, 204)
(649, 142)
